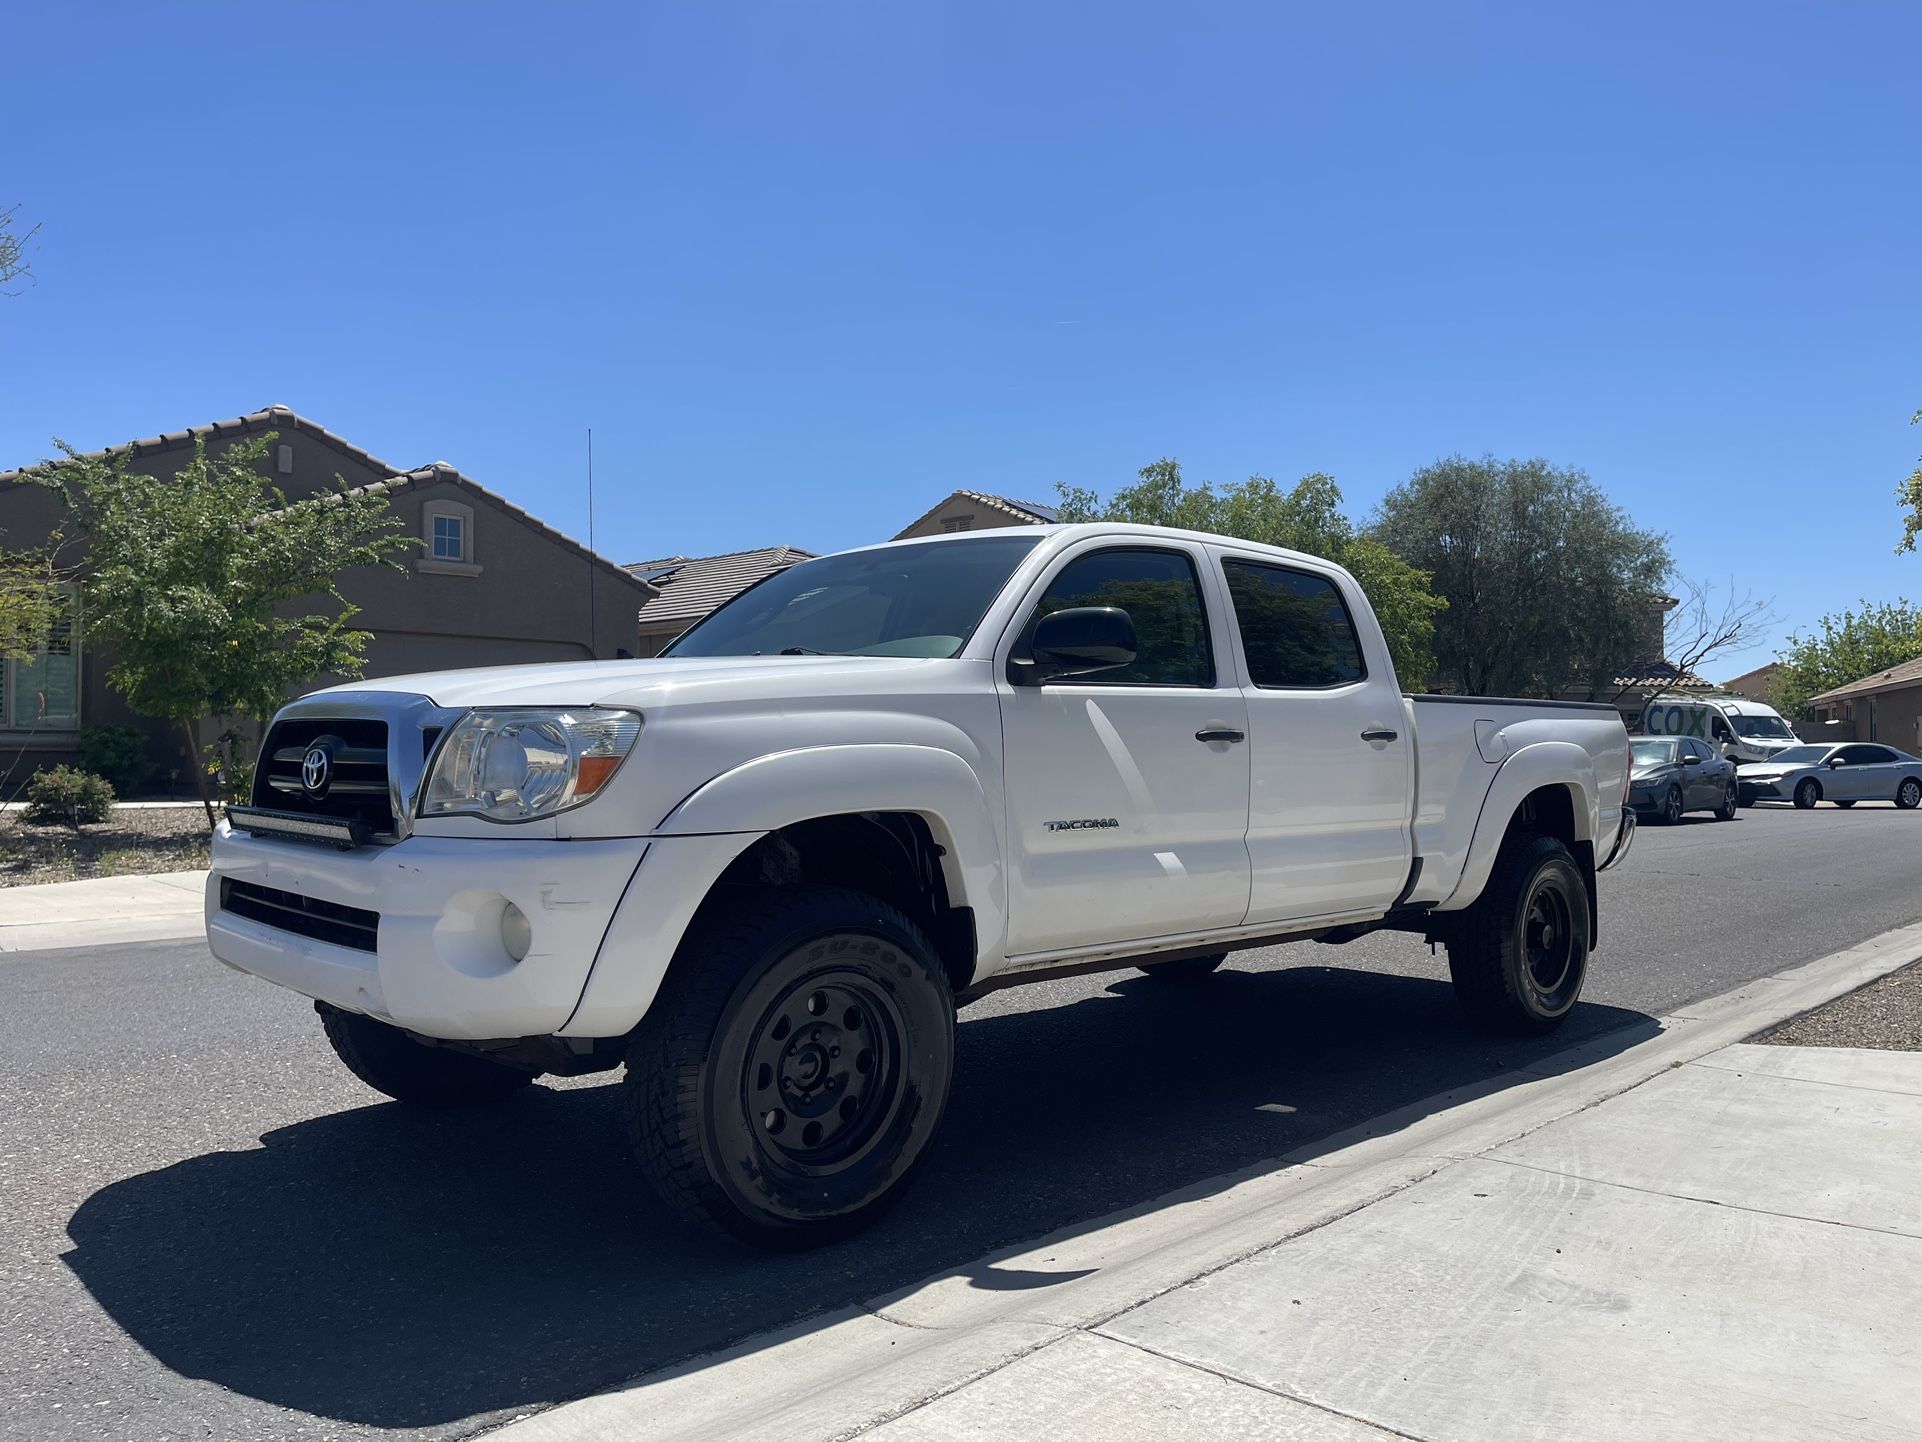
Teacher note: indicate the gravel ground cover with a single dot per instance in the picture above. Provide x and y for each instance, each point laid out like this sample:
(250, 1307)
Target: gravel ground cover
(1885, 1014)
(131, 841)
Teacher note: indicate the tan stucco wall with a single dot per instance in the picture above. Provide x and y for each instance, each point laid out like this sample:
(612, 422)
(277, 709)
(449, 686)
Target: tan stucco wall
(980, 517)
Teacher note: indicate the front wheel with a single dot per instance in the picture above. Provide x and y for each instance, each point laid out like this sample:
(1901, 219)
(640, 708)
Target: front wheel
(787, 1081)
(1807, 794)
(1845, 805)
(1672, 807)
(391, 1061)
(1519, 955)
(1909, 794)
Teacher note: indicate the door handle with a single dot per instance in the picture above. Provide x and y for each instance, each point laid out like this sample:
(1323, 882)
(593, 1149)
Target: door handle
(1219, 733)
(1379, 733)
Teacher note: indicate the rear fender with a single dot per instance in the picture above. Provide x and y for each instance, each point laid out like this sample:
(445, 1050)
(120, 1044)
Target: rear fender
(1545, 763)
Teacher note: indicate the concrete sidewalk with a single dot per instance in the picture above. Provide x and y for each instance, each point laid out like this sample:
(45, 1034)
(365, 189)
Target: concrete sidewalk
(165, 906)
(1689, 1237)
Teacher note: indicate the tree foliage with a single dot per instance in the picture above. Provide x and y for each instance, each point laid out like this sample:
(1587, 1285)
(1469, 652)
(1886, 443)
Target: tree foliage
(1307, 517)
(1909, 496)
(14, 244)
(1550, 587)
(216, 595)
(1844, 648)
(33, 601)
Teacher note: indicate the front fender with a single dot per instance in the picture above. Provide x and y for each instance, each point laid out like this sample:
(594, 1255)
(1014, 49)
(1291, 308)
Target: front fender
(695, 842)
(1543, 764)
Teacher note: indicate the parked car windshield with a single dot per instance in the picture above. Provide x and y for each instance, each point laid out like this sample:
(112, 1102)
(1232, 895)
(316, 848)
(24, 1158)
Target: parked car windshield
(914, 600)
(1653, 753)
(1799, 756)
(1770, 726)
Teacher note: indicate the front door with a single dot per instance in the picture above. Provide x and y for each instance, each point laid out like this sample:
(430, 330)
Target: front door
(1125, 822)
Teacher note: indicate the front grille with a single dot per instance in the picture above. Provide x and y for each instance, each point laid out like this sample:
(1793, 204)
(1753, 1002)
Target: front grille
(327, 921)
(358, 788)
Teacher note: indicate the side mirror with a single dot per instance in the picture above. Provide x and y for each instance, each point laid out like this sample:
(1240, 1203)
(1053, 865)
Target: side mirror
(1078, 642)
(1691, 759)
(1834, 761)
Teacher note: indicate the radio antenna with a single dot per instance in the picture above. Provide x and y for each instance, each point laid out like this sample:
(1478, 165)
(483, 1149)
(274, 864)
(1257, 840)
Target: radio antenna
(593, 638)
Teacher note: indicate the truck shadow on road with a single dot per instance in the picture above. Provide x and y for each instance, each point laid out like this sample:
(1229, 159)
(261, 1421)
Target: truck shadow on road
(398, 1269)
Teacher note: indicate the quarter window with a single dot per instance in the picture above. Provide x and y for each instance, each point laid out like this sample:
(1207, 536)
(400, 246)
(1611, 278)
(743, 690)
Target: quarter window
(1162, 596)
(1295, 627)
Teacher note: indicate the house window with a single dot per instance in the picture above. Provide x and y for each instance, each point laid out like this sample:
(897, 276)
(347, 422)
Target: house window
(42, 689)
(450, 539)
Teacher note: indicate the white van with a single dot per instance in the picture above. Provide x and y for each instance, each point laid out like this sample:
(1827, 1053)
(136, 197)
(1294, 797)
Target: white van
(1738, 729)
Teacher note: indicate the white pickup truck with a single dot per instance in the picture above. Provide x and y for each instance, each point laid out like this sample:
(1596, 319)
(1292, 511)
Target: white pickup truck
(762, 870)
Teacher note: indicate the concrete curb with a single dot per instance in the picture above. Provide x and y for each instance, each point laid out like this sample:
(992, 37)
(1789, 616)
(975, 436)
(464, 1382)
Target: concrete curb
(103, 911)
(842, 1373)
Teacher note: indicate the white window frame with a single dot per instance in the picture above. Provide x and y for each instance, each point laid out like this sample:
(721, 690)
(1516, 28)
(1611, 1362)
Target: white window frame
(437, 565)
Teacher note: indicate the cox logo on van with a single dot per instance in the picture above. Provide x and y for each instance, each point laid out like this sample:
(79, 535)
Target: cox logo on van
(1677, 721)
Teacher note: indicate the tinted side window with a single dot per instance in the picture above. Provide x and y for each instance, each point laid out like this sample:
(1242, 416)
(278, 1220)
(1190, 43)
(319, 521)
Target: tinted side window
(1867, 755)
(1295, 627)
(1162, 596)
(1702, 753)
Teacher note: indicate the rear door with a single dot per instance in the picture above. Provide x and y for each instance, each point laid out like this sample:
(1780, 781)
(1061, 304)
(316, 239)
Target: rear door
(1127, 790)
(1331, 756)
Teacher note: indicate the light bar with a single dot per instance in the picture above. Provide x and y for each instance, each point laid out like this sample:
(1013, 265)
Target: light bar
(342, 831)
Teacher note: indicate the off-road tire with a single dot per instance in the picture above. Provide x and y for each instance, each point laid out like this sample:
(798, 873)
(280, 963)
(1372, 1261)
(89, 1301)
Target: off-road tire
(1908, 795)
(1731, 803)
(1807, 792)
(391, 1061)
(713, 1052)
(1488, 947)
(1188, 970)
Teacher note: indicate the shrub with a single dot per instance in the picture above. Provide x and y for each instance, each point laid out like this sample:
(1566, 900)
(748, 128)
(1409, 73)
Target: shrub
(62, 796)
(118, 753)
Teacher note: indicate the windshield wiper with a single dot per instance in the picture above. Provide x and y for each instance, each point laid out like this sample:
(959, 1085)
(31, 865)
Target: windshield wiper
(807, 651)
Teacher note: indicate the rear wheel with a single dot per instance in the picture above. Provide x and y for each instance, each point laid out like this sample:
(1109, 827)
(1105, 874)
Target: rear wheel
(1909, 794)
(391, 1061)
(1730, 803)
(1519, 955)
(787, 1081)
(1808, 793)
(1188, 970)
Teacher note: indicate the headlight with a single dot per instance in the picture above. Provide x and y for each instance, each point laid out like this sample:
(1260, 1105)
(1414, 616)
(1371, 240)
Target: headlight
(523, 763)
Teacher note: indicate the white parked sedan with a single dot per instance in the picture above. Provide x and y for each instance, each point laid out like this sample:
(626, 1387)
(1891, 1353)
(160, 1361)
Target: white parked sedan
(1858, 771)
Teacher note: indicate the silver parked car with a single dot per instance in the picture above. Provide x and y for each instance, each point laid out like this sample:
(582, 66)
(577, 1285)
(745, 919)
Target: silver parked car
(1846, 774)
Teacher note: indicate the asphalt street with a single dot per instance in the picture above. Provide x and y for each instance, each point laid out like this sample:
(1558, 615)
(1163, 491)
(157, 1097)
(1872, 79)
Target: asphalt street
(213, 1231)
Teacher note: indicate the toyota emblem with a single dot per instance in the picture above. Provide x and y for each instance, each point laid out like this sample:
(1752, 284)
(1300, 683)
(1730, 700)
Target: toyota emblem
(316, 770)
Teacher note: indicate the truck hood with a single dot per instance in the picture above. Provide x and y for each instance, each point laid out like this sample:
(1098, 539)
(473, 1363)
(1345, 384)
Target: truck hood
(654, 681)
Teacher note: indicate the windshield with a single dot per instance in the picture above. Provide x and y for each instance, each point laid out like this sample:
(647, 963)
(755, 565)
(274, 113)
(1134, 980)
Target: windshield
(919, 600)
(1773, 727)
(1798, 756)
(1652, 753)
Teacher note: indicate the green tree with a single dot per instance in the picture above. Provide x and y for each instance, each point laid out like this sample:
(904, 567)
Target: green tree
(1306, 517)
(1909, 495)
(1844, 648)
(1550, 587)
(216, 595)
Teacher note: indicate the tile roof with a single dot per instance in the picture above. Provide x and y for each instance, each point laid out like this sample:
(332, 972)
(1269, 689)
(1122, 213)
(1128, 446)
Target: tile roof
(1908, 673)
(691, 586)
(285, 421)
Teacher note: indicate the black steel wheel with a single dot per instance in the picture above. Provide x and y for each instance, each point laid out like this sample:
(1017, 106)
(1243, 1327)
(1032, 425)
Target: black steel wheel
(786, 1083)
(1519, 955)
(1909, 794)
(1730, 804)
(1672, 807)
(1188, 969)
(1807, 793)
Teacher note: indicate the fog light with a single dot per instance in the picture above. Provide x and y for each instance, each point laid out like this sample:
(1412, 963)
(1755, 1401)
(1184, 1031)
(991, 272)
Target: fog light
(517, 932)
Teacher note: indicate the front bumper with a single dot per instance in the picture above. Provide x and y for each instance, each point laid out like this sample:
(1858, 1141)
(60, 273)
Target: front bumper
(439, 966)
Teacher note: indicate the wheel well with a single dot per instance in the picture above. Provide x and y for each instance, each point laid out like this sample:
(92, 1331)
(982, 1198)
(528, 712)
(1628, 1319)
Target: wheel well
(1550, 811)
(892, 855)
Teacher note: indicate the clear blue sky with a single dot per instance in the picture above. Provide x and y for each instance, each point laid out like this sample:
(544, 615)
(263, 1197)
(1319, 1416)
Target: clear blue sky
(806, 267)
